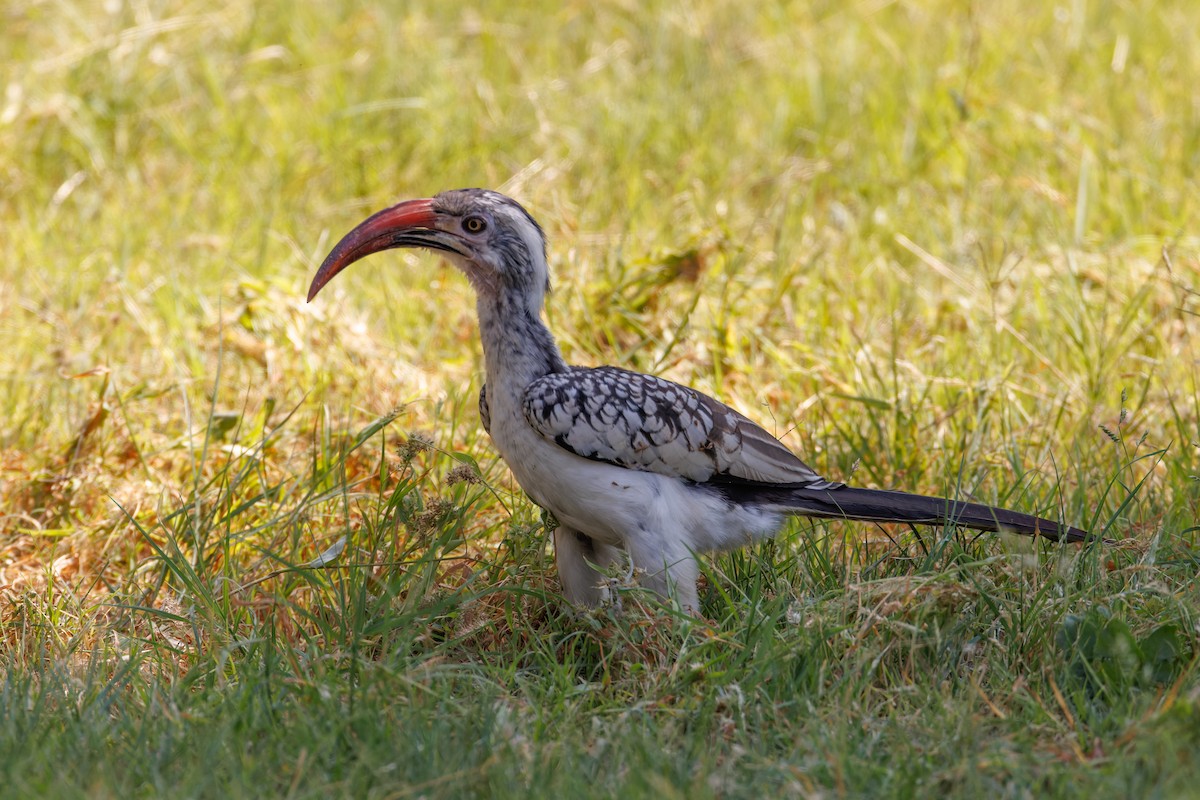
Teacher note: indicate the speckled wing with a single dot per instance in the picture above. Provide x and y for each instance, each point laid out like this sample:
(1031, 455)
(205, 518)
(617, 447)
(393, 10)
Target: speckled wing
(650, 424)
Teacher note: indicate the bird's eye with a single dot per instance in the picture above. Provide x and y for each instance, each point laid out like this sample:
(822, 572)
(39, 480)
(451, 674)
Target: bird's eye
(474, 224)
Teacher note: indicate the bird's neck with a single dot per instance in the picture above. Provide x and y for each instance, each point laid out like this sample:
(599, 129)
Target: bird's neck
(518, 348)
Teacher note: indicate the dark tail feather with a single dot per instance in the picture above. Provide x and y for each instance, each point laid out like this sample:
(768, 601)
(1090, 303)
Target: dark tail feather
(878, 505)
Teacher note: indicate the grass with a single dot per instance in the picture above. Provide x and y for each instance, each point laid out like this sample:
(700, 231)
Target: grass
(250, 546)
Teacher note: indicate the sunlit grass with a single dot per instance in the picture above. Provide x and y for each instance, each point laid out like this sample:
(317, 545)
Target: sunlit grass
(253, 546)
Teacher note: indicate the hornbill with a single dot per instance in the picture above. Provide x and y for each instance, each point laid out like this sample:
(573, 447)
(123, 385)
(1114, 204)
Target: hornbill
(624, 461)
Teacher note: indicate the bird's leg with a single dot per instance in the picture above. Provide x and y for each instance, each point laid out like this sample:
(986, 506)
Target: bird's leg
(668, 573)
(581, 561)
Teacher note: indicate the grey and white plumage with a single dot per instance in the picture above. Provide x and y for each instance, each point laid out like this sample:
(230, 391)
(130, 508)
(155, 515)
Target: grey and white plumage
(646, 423)
(626, 463)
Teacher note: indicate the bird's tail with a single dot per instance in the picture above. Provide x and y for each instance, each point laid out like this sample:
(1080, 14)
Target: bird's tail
(878, 505)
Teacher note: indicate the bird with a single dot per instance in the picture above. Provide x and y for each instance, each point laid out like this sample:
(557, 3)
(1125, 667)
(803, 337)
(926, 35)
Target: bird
(638, 473)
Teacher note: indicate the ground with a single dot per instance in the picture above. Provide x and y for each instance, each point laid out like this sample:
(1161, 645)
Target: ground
(251, 546)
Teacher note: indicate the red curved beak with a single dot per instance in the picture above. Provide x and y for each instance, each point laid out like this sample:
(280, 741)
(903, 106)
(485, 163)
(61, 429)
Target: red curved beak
(408, 224)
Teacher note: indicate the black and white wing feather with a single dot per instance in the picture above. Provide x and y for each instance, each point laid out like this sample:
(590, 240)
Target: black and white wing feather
(650, 424)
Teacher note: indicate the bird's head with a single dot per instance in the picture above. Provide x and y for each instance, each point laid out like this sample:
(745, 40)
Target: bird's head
(487, 235)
